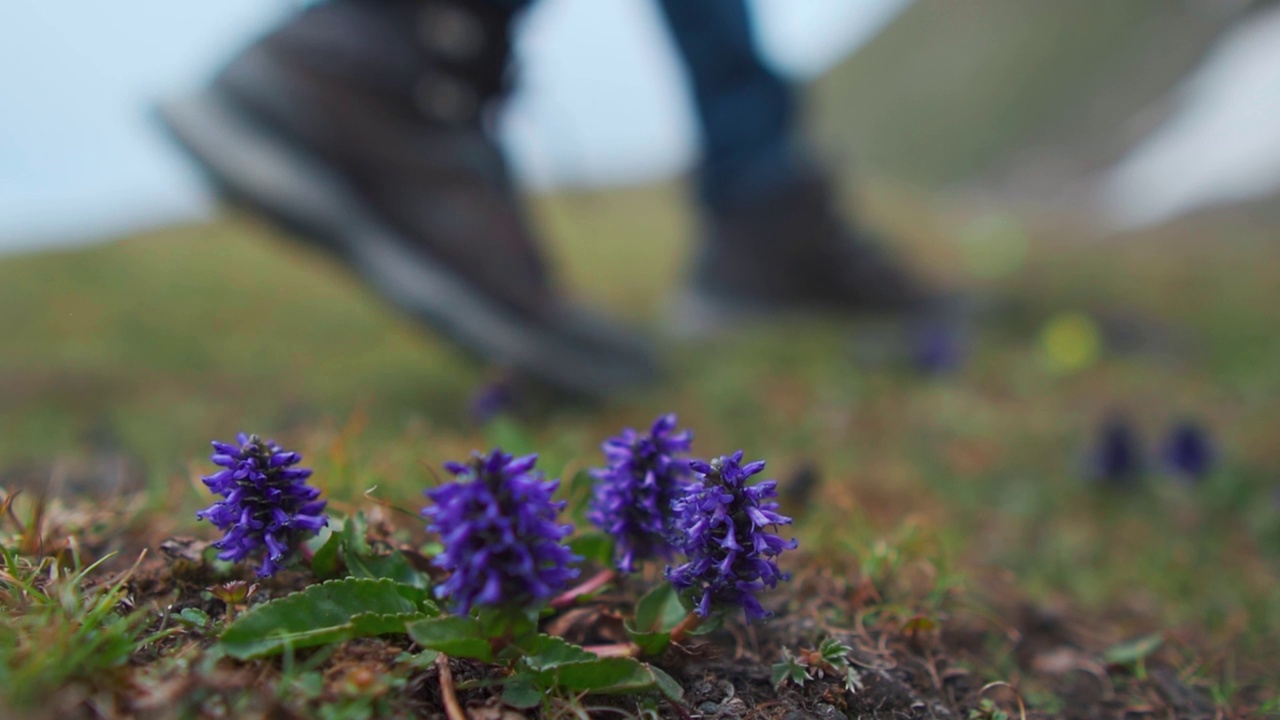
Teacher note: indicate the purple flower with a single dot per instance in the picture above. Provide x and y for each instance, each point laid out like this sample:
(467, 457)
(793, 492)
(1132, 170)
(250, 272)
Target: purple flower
(1117, 459)
(720, 523)
(1188, 452)
(492, 400)
(501, 540)
(633, 495)
(266, 501)
(937, 348)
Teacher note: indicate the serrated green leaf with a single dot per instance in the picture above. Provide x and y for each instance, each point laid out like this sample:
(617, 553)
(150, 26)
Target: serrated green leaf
(545, 652)
(1130, 652)
(512, 624)
(324, 561)
(650, 643)
(452, 635)
(594, 547)
(605, 676)
(393, 567)
(521, 691)
(332, 611)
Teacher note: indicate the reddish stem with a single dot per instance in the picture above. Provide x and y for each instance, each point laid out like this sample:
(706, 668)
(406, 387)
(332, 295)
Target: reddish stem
(590, 585)
(452, 708)
(686, 626)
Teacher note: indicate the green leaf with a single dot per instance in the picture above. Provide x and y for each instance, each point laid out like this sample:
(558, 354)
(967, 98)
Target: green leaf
(393, 567)
(332, 611)
(452, 635)
(521, 691)
(511, 624)
(354, 531)
(657, 613)
(834, 652)
(324, 560)
(789, 670)
(667, 685)
(594, 547)
(660, 609)
(193, 617)
(1132, 651)
(650, 643)
(546, 652)
(606, 676)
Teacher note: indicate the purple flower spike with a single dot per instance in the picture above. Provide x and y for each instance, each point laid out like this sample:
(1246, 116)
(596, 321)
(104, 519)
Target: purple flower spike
(501, 540)
(720, 524)
(1117, 459)
(938, 348)
(633, 495)
(1188, 453)
(266, 503)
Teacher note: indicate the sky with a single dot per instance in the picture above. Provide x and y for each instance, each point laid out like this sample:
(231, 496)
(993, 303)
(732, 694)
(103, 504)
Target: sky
(601, 98)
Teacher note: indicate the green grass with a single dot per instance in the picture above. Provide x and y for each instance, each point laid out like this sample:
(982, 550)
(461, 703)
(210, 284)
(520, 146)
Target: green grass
(151, 346)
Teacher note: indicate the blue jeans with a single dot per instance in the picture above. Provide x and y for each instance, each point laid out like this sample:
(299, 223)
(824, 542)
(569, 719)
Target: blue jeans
(746, 112)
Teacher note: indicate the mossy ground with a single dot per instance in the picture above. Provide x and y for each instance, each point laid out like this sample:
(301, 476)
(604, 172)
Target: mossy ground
(948, 534)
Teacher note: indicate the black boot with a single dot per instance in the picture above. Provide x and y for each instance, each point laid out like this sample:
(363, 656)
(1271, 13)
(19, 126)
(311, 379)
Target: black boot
(791, 253)
(362, 125)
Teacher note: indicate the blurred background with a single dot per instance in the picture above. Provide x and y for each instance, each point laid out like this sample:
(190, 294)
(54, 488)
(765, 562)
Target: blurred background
(1138, 111)
(1108, 172)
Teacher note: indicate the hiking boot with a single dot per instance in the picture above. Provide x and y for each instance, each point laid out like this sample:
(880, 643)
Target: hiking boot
(362, 126)
(791, 253)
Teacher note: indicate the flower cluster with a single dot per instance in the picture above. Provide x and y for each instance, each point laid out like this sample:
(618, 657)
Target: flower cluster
(634, 494)
(266, 501)
(720, 524)
(1117, 459)
(502, 544)
(1188, 452)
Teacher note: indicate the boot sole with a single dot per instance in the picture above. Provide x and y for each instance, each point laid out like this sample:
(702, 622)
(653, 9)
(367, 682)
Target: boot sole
(252, 165)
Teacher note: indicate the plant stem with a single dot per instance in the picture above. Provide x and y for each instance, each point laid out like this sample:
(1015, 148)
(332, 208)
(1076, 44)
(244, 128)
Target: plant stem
(686, 626)
(614, 650)
(590, 585)
(452, 708)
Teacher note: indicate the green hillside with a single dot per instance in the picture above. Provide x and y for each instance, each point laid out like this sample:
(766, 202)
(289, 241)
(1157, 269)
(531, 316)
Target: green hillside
(982, 89)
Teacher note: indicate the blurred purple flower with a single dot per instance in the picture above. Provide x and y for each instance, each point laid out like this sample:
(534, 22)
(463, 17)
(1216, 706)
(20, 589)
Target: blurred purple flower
(1188, 453)
(491, 400)
(266, 501)
(720, 524)
(633, 495)
(1117, 458)
(501, 540)
(938, 348)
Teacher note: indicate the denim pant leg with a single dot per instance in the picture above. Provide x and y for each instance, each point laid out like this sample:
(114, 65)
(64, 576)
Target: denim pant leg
(745, 110)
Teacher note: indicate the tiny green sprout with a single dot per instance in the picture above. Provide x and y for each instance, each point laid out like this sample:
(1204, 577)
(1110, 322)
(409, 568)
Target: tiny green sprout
(834, 652)
(852, 680)
(988, 710)
(234, 594)
(831, 658)
(791, 669)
